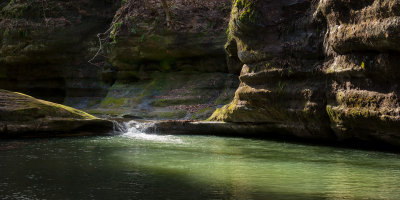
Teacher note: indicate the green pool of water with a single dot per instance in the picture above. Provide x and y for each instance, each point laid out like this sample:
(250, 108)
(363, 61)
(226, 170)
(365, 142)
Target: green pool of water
(140, 166)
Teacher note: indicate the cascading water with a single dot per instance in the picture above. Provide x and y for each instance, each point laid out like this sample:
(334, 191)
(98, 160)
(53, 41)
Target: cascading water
(146, 130)
(118, 128)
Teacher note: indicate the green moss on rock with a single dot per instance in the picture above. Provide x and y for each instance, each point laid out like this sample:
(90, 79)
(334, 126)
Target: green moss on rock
(25, 105)
(23, 115)
(113, 102)
(248, 13)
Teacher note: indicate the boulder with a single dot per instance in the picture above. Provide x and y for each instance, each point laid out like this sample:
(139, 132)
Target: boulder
(23, 115)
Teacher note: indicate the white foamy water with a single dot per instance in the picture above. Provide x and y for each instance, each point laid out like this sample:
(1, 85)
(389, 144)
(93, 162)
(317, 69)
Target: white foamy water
(141, 131)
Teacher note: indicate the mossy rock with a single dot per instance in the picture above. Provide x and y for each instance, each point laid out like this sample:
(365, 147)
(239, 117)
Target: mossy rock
(246, 8)
(113, 102)
(23, 115)
(19, 107)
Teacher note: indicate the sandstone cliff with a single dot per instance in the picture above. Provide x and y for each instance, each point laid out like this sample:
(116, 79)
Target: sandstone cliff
(45, 46)
(148, 66)
(322, 69)
(317, 69)
(168, 62)
(281, 80)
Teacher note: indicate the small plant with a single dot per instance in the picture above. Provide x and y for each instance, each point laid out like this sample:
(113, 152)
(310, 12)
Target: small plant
(281, 86)
(142, 38)
(113, 34)
(363, 66)
(248, 12)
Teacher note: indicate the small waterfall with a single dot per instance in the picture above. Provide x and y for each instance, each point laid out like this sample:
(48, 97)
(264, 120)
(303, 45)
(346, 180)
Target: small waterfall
(140, 127)
(118, 128)
(146, 130)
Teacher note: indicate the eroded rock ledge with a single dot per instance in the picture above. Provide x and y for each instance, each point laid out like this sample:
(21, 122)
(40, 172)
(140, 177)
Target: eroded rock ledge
(318, 69)
(24, 116)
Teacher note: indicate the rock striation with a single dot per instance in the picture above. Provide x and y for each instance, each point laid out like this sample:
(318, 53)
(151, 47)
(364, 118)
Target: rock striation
(317, 69)
(281, 80)
(168, 61)
(362, 47)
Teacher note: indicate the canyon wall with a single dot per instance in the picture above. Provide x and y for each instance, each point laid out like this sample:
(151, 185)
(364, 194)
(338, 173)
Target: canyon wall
(314, 69)
(168, 61)
(317, 69)
(45, 46)
(155, 61)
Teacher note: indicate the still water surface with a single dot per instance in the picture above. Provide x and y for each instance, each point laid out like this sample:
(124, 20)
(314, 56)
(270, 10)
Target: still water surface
(142, 166)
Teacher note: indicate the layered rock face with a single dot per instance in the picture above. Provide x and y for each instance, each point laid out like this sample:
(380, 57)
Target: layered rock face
(362, 48)
(23, 115)
(180, 36)
(281, 81)
(163, 61)
(45, 46)
(168, 61)
(312, 69)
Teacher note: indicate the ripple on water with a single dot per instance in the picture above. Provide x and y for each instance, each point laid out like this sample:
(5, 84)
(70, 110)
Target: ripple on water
(137, 165)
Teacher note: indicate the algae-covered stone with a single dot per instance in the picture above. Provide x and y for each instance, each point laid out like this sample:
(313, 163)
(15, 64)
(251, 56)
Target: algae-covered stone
(23, 115)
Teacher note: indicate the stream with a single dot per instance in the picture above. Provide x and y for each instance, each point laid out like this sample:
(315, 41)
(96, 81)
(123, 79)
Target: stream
(136, 165)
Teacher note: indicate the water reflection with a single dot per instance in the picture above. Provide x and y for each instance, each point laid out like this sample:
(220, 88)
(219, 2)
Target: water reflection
(192, 167)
